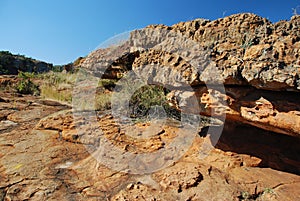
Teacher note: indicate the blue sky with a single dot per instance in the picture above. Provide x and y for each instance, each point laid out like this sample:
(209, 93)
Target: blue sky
(59, 31)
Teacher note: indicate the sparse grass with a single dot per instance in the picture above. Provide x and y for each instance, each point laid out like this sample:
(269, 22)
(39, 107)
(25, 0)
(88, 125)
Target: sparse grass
(56, 78)
(266, 194)
(103, 101)
(57, 86)
(268, 190)
(50, 92)
(244, 195)
(247, 40)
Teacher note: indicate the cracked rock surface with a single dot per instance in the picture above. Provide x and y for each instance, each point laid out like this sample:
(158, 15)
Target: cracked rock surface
(38, 163)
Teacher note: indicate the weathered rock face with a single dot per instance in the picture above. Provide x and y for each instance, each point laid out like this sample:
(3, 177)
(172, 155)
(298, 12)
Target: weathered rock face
(246, 53)
(245, 48)
(277, 112)
(249, 50)
(266, 55)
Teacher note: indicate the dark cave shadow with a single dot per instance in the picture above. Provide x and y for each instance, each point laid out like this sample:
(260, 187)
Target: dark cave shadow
(277, 151)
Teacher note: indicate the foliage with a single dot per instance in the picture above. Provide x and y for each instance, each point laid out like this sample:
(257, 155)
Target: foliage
(57, 68)
(104, 93)
(56, 78)
(148, 96)
(25, 85)
(13, 63)
(107, 83)
(3, 70)
(6, 59)
(26, 75)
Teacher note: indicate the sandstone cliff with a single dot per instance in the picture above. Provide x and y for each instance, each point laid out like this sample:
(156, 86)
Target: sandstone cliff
(257, 62)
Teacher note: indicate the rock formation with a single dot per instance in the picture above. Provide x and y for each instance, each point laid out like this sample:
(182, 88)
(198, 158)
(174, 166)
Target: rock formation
(50, 152)
(257, 61)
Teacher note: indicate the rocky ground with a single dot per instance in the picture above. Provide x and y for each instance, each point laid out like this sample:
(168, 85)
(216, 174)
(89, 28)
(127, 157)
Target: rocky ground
(51, 152)
(40, 160)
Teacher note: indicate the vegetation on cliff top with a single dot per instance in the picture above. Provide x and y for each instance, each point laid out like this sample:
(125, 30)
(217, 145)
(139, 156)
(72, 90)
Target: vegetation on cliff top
(12, 64)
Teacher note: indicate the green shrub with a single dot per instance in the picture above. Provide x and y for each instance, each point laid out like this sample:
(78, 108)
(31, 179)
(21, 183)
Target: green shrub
(3, 70)
(26, 86)
(140, 102)
(26, 75)
(148, 96)
(107, 83)
(57, 68)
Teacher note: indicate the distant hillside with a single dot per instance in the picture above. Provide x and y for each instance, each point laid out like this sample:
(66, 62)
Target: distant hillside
(11, 64)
